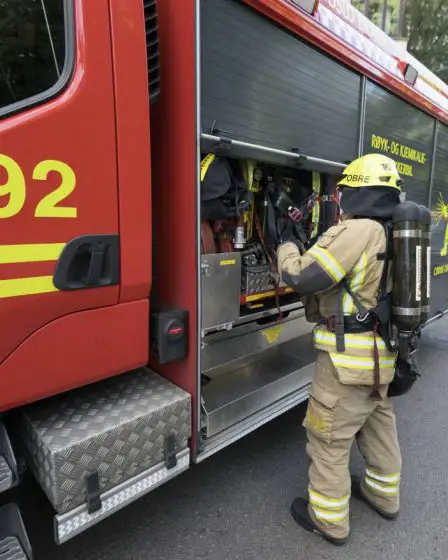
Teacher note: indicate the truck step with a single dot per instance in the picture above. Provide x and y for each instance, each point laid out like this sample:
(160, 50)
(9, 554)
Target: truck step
(14, 542)
(6, 476)
(11, 549)
(97, 448)
(9, 474)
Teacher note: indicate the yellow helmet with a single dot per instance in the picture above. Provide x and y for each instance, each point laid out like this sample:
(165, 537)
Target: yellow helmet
(371, 170)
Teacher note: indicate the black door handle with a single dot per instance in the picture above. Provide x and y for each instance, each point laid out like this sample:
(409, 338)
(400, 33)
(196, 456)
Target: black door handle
(89, 261)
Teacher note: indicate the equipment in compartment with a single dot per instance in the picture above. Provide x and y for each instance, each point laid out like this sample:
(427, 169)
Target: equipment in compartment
(220, 286)
(250, 207)
(255, 270)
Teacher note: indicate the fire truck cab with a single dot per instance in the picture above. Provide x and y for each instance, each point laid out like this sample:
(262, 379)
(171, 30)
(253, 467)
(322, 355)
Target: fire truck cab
(144, 328)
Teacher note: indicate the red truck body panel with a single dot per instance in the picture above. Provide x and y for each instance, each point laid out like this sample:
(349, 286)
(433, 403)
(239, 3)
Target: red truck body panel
(100, 127)
(55, 340)
(133, 147)
(175, 163)
(76, 350)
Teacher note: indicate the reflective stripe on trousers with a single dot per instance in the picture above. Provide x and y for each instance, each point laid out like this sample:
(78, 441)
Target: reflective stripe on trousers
(359, 363)
(329, 509)
(386, 485)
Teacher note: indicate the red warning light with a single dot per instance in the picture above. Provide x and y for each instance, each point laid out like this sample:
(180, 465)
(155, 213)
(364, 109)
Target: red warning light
(175, 331)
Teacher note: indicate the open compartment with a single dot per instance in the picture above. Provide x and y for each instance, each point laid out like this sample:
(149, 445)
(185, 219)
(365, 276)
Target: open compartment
(272, 137)
(268, 167)
(256, 345)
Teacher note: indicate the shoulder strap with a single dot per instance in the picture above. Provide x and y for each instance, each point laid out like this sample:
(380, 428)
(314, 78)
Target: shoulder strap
(387, 257)
(382, 291)
(359, 306)
(272, 221)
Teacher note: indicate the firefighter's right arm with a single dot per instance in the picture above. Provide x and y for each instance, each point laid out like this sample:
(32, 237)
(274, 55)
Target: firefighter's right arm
(330, 259)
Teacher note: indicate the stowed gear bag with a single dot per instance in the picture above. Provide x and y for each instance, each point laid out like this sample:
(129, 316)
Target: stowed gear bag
(224, 193)
(285, 218)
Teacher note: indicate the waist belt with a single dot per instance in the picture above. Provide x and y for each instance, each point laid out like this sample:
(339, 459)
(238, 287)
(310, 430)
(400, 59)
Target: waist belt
(351, 324)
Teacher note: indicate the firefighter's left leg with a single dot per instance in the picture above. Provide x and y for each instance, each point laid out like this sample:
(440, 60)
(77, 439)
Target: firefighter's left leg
(335, 414)
(378, 443)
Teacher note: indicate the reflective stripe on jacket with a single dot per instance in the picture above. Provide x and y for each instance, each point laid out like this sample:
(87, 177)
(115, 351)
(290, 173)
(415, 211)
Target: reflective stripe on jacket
(348, 250)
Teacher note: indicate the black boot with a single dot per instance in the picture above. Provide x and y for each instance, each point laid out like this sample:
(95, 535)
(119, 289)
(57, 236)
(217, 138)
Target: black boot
(300, 513)
(358, 494)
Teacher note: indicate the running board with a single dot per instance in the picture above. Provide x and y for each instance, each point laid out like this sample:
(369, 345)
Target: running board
(14, 542)
(70, 524)
(95, 449)
(6, 476)
(11, 549)
(9, 476)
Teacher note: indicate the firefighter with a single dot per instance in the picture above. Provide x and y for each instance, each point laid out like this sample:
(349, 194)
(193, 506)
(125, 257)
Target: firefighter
(348, 396)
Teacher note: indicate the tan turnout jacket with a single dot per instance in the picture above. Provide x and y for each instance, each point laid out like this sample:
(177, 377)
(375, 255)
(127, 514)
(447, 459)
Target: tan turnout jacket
(348, 250)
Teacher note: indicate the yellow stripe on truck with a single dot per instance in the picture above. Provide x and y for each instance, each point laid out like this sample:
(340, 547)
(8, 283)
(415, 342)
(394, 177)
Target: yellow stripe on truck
(28, 253)
(15, 287)
(39, 252)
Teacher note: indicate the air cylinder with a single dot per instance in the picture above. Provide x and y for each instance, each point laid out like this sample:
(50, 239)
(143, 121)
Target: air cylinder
(425, 222)
(407, 266)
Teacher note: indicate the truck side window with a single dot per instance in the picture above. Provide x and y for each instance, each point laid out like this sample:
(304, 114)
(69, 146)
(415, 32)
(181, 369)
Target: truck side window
(32, 48)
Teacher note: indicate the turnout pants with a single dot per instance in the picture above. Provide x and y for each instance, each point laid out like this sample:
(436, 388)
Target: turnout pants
(336, 415)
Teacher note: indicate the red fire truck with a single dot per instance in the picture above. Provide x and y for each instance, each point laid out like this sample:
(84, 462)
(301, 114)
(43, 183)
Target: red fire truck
(141, 333)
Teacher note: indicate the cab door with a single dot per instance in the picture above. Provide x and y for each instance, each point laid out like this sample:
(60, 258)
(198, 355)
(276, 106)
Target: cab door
(58, 176)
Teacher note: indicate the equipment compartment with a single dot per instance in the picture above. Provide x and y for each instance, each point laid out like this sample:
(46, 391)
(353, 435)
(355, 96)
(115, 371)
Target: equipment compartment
(254, 367)
(247, 208)
(256, 354)
(263, 181)
(117, 428)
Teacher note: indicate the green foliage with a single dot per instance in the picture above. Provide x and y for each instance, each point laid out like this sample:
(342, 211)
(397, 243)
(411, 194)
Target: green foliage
(427, 30)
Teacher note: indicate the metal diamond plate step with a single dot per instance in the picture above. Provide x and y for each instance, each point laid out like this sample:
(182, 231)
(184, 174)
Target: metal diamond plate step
(11, 549)
(6, 477)
(116, 428)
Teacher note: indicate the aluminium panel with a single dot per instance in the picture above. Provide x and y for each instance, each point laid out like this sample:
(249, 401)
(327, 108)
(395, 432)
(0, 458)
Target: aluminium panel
(116, 428)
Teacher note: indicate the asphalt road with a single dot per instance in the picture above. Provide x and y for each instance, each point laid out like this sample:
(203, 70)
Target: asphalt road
(235, 505)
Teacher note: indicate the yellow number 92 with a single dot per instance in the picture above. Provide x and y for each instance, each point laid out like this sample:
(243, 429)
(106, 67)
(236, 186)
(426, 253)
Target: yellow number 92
(15, 189)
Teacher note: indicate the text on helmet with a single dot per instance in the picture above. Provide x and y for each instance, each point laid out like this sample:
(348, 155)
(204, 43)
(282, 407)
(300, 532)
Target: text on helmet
(358, 178)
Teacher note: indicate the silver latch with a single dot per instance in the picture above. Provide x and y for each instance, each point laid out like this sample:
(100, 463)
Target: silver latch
(205, 269)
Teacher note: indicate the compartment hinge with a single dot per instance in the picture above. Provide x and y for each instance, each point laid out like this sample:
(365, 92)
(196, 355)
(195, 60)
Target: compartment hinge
(205, 269)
